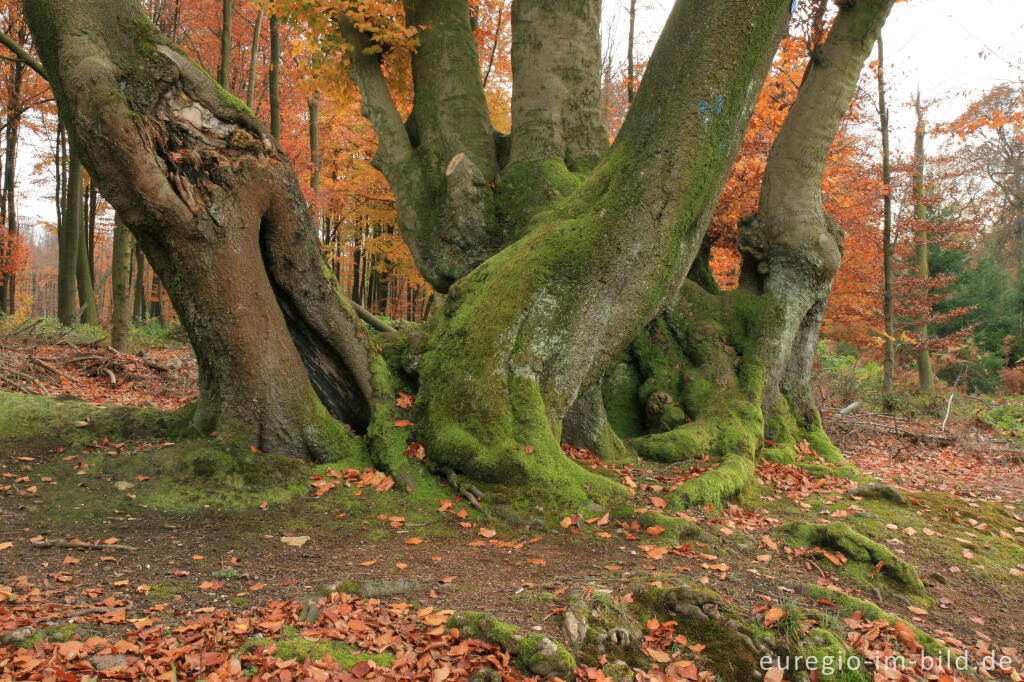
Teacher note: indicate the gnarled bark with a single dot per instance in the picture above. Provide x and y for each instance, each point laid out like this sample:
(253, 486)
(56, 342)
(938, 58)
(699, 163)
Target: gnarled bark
(218, 211)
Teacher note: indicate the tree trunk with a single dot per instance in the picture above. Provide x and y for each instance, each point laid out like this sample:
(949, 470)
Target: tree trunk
(86, 293)
(139, 299)
(156, 302)
(224, 74)
(216, 208)
(888, 275)
(926, 377)
(527, 331)
(11, 134)
(630, 45)
(70, 232)
(559, 255)
(791, 249)
(275, 79)
(250, 85)
(120, 282)
(314, 142)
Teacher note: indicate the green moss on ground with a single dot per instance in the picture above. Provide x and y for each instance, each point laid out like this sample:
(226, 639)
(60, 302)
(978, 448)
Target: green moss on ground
(39, 422)
(291, 645)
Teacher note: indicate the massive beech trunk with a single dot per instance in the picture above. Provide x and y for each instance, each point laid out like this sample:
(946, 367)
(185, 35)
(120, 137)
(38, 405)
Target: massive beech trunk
(569, 312)
(217, 209)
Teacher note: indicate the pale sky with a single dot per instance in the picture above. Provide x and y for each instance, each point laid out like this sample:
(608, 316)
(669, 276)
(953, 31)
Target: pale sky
(953, 49)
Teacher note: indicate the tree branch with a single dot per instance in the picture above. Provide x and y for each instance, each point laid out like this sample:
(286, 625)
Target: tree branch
(393, 144)
(24, 56)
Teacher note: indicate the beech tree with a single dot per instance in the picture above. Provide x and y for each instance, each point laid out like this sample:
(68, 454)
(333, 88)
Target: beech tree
(578, 302)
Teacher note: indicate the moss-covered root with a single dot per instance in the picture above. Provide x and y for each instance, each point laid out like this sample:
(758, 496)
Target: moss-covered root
(534, 653)
(857, 547)
(734, 429)
(847, 605)
(725, 481)
(733, 649)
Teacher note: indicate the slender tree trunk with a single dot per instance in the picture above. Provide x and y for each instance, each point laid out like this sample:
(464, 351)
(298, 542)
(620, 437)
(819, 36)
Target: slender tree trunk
(139, 300)
(156, 301)
(926, 377)
(224, 74)
(314, 141)
(120, 282)
(630, 67)
(494, 45)
(888, 275)
(86, 293)
(91, 198)
(250, 85)
(68, 243)
(275, 79)
(11, 135)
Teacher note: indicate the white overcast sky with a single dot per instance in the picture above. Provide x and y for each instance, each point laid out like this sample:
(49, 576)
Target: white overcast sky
(953, 49)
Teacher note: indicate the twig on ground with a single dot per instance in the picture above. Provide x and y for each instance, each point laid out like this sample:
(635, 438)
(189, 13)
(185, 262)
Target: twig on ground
(44, 544)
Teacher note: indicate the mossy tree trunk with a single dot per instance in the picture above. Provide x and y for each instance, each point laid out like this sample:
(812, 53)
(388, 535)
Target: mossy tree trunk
(791, 249)
(218, 211)
(717, 373)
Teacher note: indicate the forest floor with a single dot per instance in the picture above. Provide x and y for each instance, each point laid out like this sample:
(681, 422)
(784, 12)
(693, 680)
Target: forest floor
(109, 569)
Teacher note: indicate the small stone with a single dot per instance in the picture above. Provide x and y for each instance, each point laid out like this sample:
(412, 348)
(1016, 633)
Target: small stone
(595, 508)
(310, 611)
(296, 540)
(712, 611)
(109, 661)
(690, 611)
(486, 675)
(17, 636)
(123, 485)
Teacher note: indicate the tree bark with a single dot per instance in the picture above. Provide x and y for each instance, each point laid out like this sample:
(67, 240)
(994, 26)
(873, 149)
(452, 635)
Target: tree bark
(556, 97)
(120, 282)
(70, 232)
(925, 375)
(888, 275)
(791, 249)
(11, 135)
(216, 208)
